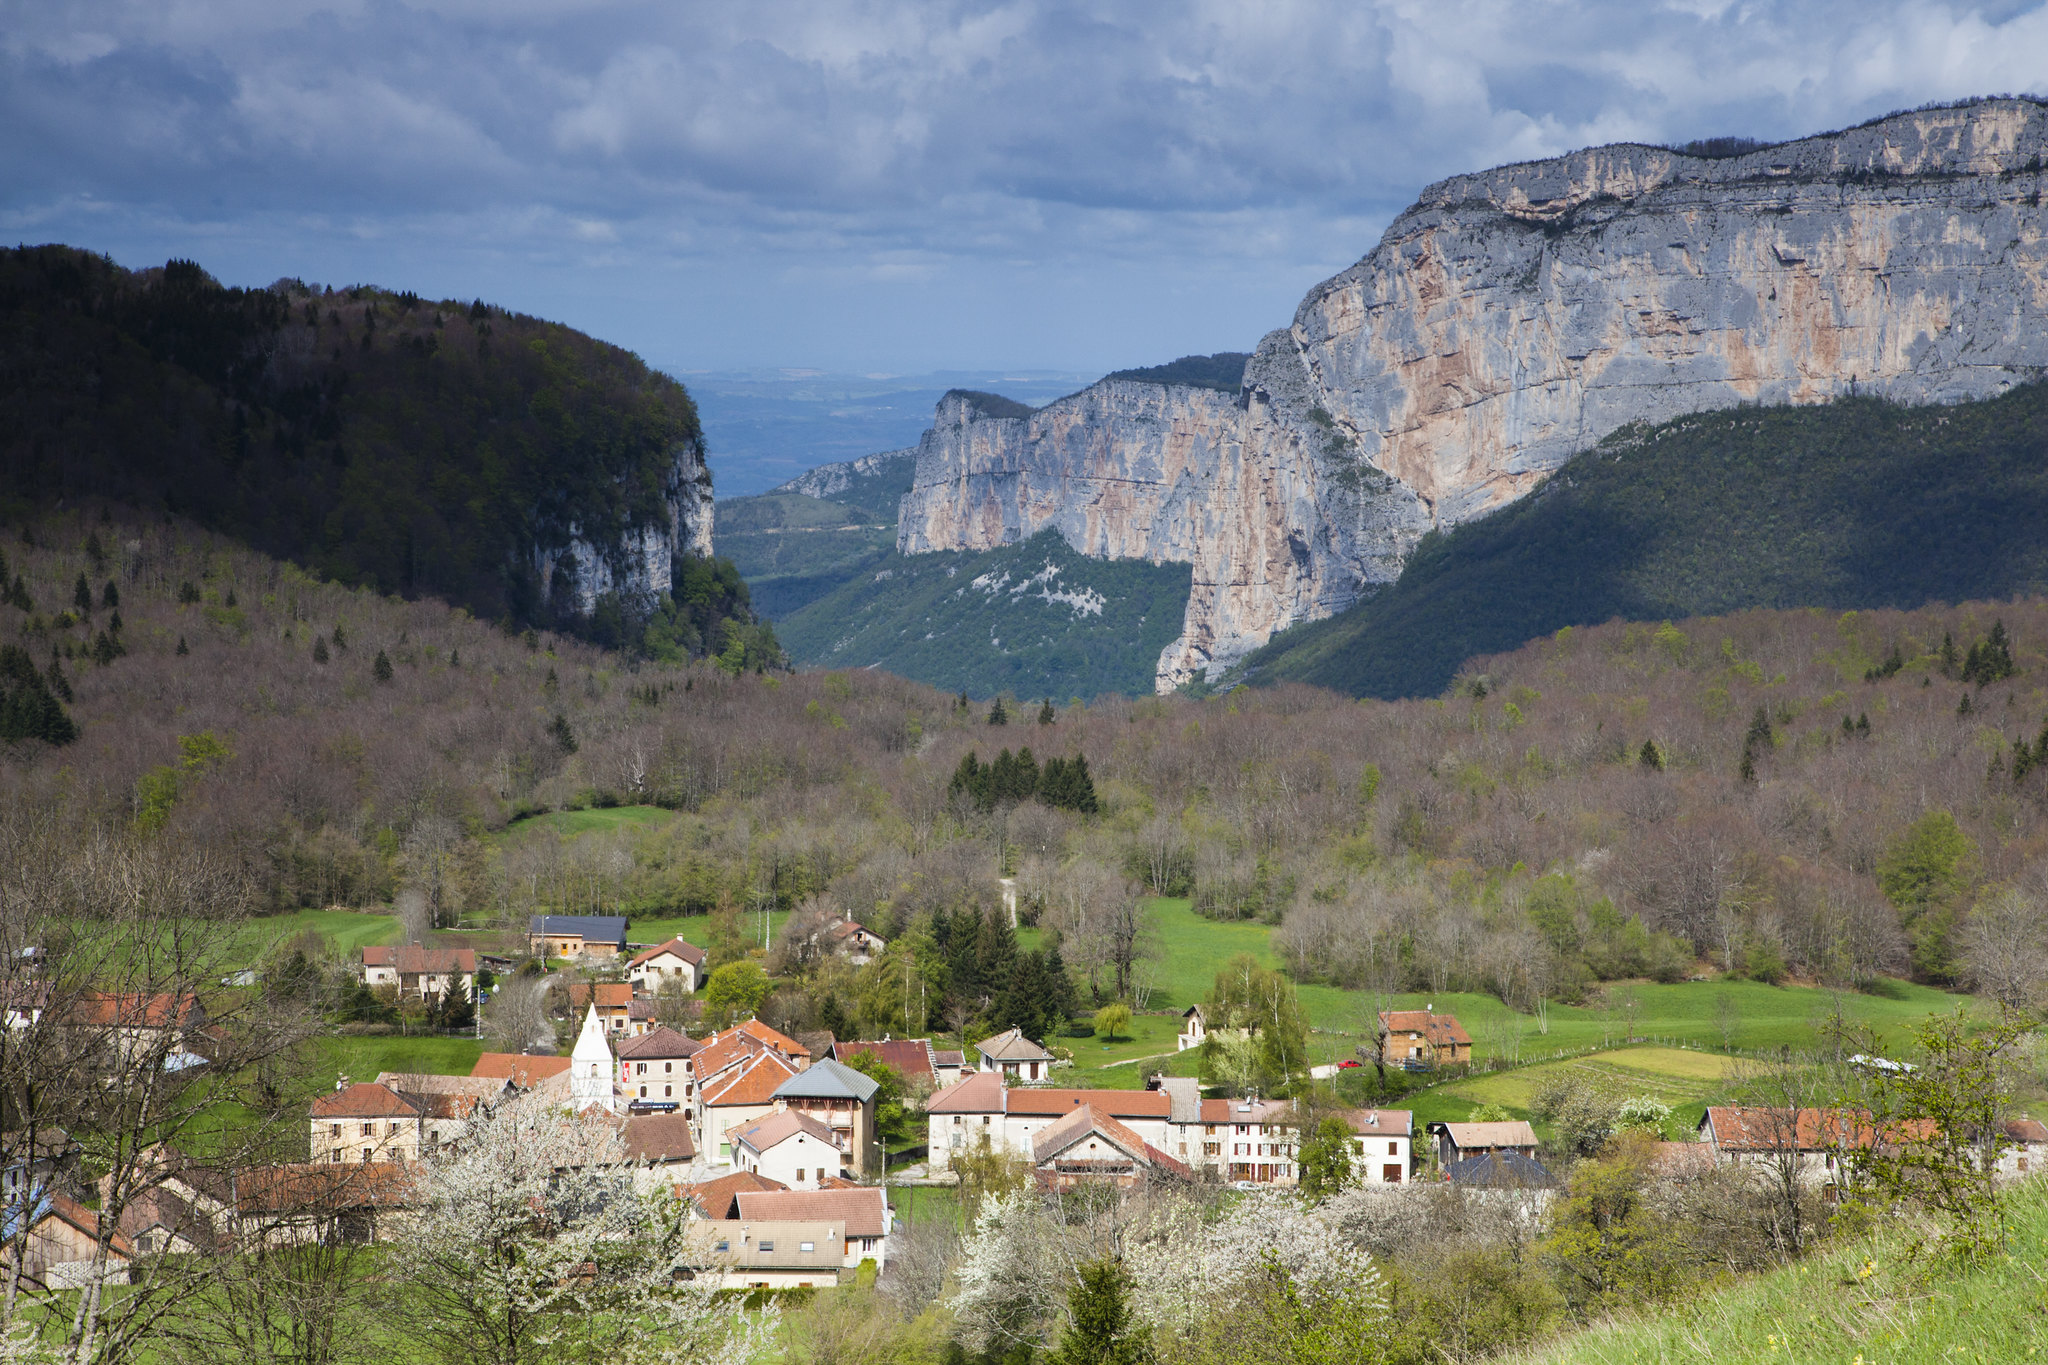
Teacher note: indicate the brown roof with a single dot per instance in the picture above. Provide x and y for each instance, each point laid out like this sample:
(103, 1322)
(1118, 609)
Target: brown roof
(781, 1042)
(907, 1057)
(753, 1084)
(688, 952)
(1129, 1104)
(1762, 1129)
(138, 1009)
(166, 1209)
(518, 1068)
(303, 1187)
(945, 1059)
(1441, 1029)
(1012, 1046)
(69, 1210)
(611, 995)
(763, 1133)
(412, 959)
(660, 1137)
(864, 1211)
(658, 1043)
(2025, 1130)
(980, 1093)
(365, 1100)
(417, 1083)
(716, 1197)
(1477, 1137)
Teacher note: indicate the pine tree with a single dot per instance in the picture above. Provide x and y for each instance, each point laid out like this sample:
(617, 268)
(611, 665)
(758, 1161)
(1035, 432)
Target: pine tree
(1963, 706)
(1101, 1330)
(230, 600)
(561, 733)
(455, 658)
(340, 637)
(188, 593)
(59, 684)
(381, 668)
(28, 709)
(1755, 741)
(181, 646)
(997, 715)
(1045, 715)
(1650, 757)
(81, 596)
(320, 655)
(551, 684)
(110, 596)
(1950, 662)
(102, 650)
(1863, 725)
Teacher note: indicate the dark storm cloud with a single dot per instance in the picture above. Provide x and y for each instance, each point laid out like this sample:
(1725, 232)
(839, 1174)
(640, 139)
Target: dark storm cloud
(897, 141)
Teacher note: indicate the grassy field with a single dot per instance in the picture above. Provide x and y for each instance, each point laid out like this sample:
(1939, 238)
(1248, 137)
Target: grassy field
(1687, 1081)
(360, 1059)
(570, 823)
(1825, 1311)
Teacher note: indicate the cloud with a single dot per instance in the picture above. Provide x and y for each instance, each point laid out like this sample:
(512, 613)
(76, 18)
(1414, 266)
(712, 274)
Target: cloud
(906, 140)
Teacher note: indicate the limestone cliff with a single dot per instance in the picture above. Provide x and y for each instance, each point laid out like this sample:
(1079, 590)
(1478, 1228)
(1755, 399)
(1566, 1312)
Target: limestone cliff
(640, 563)
(1507, 320)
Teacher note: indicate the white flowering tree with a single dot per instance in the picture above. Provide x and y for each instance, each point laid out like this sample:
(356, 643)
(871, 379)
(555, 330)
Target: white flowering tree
(1263, 1273)
(531, 1247)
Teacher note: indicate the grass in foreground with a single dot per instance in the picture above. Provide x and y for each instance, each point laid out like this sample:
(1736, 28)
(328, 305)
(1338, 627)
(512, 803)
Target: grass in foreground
(1826, 1311)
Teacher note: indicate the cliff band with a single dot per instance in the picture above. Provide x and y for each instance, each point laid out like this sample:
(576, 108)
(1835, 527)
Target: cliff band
(1506, 321)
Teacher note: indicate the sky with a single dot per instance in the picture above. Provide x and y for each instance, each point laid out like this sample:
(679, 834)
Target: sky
(874, 187)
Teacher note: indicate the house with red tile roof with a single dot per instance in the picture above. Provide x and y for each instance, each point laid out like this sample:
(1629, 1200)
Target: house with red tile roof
(715, 1199)
(981, 1106)
(613, 1001)
(910, 1058)
(791, 1147)
(62, 1245)
(651, 968)
(1087, 1146)
(742, 1092)
(424, 972)
(1422, 1040)
(524, 1071)
(657, 1070)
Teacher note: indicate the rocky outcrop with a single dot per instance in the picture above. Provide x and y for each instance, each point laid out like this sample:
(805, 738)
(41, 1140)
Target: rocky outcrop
(829, 480)
(1509, 319)
(640, 563)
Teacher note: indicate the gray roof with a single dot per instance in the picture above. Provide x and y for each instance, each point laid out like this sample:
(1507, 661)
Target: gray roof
(828, 1080)
(1012, 1046)
(594, 928)
(1183, 1098)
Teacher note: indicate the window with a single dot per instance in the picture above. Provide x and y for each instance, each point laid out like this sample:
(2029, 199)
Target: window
(369, 1130)
(335, 1156)
(806, 1246)
(643, 1092)
(667, 1067)
(724, 1245)
(667, 1091)
(1393, 1150)
(768, 1246)
(366, 1156)
(643, 1069)
(334, 1130)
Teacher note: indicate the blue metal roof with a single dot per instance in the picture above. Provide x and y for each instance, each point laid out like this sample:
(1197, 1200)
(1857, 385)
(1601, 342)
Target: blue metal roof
(594, 928)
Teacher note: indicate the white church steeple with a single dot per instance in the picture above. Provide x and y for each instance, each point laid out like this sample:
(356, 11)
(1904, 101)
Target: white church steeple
(591, 1068)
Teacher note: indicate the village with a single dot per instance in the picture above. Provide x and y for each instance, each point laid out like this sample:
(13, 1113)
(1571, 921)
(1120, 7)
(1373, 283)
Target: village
(772, 1145)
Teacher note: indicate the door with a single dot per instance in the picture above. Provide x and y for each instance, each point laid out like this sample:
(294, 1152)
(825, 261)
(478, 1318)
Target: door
(1391, 1174)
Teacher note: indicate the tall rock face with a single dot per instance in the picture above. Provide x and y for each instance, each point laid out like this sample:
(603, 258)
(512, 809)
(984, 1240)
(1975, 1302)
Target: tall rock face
(1508, 320)
(640, 563)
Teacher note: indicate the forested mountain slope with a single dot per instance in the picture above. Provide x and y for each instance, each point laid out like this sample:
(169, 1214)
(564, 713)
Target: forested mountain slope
(1855, 503)
(1835, 797)
(512, 466)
